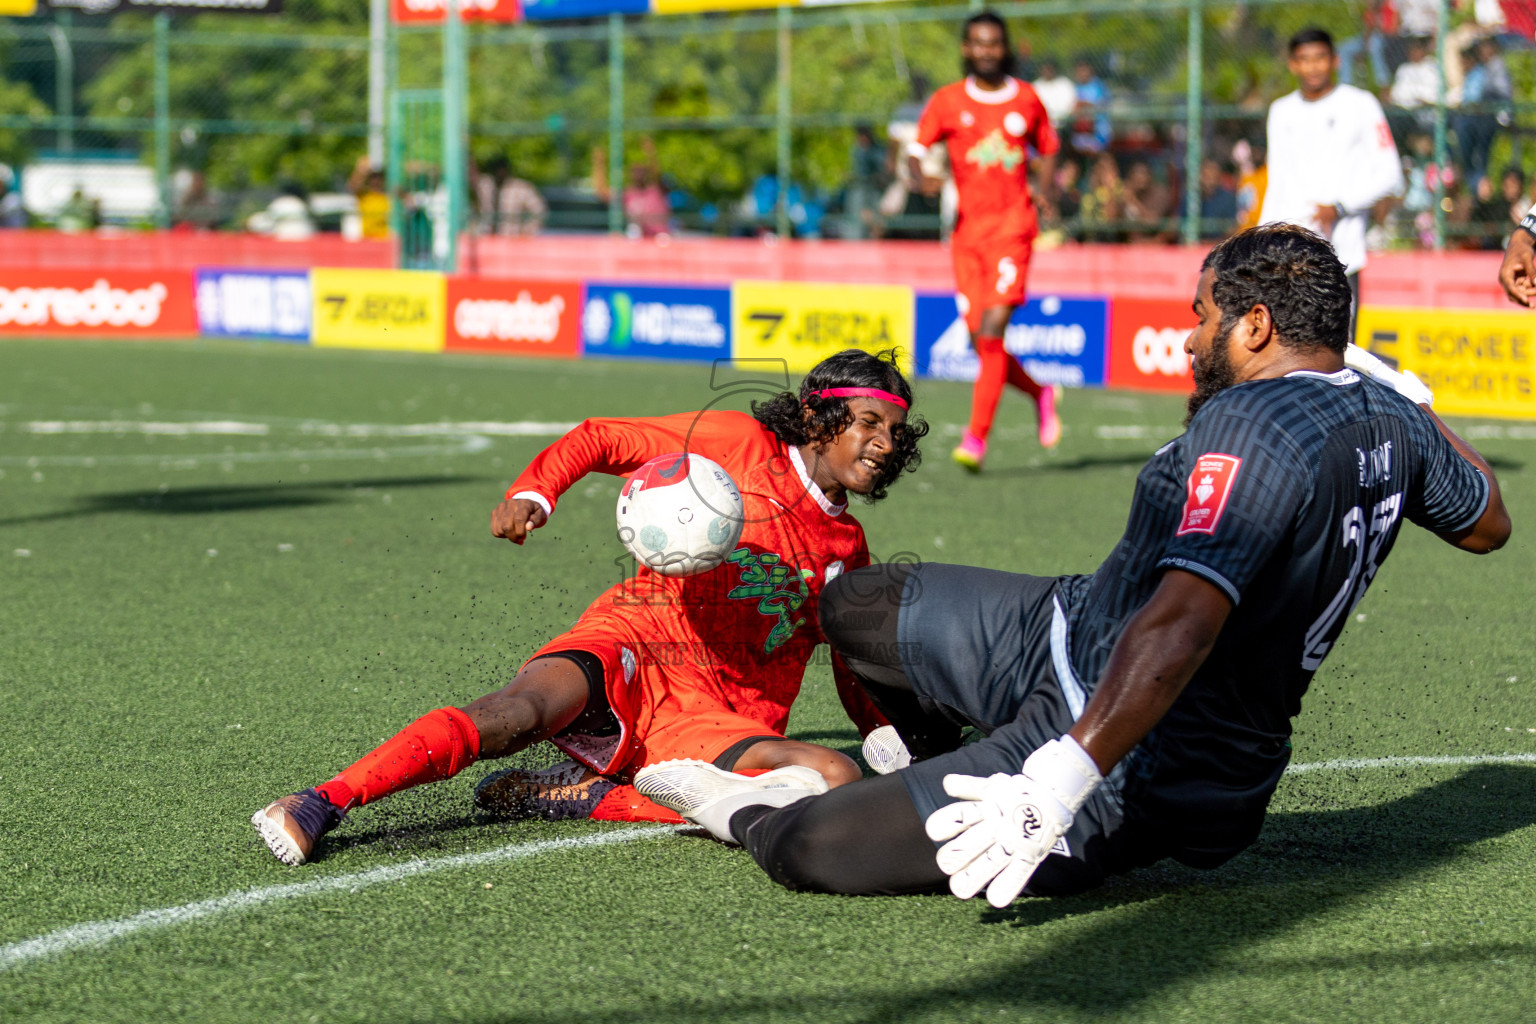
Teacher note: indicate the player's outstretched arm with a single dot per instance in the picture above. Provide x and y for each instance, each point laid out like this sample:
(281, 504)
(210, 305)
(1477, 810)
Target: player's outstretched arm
(1492, 528)
(1158, 652)
(1518, 271)
(514, 518)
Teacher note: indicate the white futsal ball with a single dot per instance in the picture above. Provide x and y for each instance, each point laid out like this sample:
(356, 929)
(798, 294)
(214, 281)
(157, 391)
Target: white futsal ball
(680, 514)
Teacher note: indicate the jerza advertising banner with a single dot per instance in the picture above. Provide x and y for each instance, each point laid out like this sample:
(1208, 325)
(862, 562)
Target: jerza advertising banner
(802, 324)
(142, 303)
(644, 322)
(554, 10)
(1146, 344)
(410, 11)
(254, 304)
(1058, 340)
(1477, 362)
(399, 310)
(514, 318)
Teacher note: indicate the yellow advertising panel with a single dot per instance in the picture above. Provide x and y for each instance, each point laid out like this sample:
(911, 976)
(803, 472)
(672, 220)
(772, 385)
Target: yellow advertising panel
(1477, 362)
(804, 323)
(400, 310)
(18, 8)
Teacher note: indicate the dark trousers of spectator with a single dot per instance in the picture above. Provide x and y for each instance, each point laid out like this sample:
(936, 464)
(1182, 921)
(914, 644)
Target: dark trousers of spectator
(1474, 138)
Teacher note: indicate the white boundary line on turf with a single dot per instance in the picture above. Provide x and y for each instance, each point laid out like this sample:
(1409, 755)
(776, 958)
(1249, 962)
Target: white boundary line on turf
(99, 933)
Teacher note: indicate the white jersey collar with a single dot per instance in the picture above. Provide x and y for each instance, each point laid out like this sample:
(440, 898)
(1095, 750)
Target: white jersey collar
(1338, 377)
(813, 488)
(991, 96)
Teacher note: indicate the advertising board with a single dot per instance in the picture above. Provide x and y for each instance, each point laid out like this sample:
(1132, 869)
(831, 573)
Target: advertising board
(129, 303)
(1477, 362)
(1059, 340)
(646, 322)
(1146, 344)
(251, 303)
(802, 324)
(399, 310)
(515, 318)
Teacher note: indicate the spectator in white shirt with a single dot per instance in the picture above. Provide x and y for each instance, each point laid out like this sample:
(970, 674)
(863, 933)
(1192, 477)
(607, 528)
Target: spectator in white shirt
(1056, 91)
(1417, 81)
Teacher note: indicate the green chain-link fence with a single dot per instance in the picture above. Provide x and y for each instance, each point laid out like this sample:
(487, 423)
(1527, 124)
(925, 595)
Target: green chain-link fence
(775, 120)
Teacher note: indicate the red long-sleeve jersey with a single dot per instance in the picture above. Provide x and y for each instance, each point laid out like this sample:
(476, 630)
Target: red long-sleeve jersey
(746, 630)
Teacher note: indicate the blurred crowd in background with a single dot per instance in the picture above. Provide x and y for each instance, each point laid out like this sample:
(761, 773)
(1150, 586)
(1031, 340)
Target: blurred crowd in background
(1120, 178)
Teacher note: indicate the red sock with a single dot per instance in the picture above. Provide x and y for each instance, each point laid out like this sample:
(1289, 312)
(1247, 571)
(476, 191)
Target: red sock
(1020, 378)
(989, 384)
(438, 745)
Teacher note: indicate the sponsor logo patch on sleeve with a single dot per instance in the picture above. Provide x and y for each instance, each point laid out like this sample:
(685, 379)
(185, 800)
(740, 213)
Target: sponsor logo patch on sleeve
(1209, 486)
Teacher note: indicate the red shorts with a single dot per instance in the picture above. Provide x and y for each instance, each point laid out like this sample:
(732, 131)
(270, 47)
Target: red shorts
(990, 272)
(666, 707)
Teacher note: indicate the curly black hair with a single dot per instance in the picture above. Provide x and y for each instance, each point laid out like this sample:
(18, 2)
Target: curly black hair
(1294, 272)
(785, 413)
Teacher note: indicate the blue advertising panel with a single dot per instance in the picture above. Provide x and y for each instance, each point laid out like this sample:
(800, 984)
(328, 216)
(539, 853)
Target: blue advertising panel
(1059, 340)
(643, 322)
(253, 303)
(553, 10)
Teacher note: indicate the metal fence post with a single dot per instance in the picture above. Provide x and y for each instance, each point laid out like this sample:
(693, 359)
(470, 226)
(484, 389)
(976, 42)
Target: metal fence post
(1194, 129)
(63, 80)
(455, 166)
(616, 123)
(378, 80)
(782, 125)
(162, 38)
(1442, 150)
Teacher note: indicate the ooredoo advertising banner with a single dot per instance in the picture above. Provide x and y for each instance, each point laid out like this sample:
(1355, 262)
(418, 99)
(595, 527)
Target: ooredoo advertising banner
(254, 304)
(399, 310)
(1059, 340)
(1146, 344)
(514, 318)
(129, 303)
(1477, 362)
(642, 322)
(802, 324)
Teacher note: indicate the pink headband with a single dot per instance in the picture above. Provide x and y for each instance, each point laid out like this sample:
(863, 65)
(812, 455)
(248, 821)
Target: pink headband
(886, 396)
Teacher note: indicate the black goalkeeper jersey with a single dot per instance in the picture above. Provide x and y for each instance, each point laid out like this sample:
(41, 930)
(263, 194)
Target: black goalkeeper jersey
(1288, 495)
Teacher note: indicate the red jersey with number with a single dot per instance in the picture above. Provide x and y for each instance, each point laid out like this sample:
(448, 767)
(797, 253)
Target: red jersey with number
(989, 134)
(746, 630)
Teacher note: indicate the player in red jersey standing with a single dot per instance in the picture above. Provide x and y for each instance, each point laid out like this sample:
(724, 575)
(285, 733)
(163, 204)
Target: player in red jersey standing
(659, 667)
(990, 121)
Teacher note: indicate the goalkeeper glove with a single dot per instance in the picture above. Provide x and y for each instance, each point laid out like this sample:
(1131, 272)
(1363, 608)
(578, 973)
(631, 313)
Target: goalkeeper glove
(1404, 382)
(1005, 825)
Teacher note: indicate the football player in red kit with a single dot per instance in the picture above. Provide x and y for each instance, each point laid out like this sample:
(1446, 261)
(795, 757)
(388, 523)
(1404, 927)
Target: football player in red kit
(990, 121)
(658, 667)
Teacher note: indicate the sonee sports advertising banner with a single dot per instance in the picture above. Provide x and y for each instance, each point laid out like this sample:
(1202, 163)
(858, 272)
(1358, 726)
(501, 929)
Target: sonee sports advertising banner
(514, 318)
(399, 310)
(1146, 345)
(1477, 362)
(122, 303)
(1059, 340)
(640, 322)
(249, 303)
(802, 324)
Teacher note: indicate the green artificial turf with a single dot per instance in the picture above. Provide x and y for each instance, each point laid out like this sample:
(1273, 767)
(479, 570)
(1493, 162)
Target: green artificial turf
(197, 623)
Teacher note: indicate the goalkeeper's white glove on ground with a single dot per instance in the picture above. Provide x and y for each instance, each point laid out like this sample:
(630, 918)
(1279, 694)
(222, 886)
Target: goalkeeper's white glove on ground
(1005, 825)
(1404, 382)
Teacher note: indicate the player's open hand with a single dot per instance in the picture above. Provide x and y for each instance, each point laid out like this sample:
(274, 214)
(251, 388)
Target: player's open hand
(1004, 825)
(1518, 271)
(515, 517)
(999, 832)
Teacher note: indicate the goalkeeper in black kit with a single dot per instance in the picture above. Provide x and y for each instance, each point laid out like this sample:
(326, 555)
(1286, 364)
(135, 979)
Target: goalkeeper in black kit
(1143, 711)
